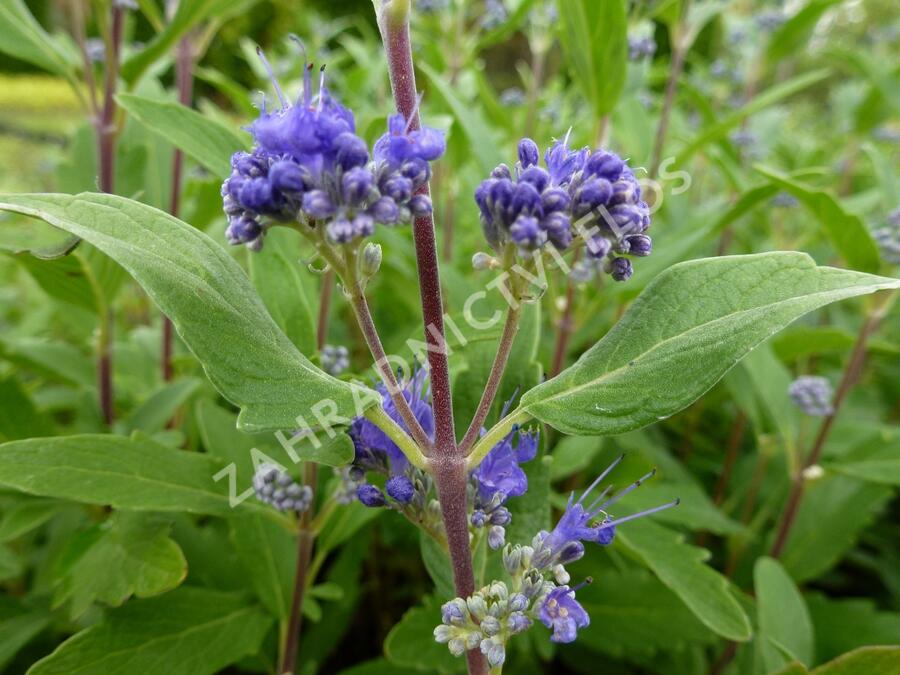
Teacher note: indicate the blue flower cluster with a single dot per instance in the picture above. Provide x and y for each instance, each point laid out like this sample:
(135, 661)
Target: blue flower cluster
(308, 165)
(641, 47)
(812, 395)
(888, 238)
(538, 587)
(272, 485)
(497, 478)
(594, 196)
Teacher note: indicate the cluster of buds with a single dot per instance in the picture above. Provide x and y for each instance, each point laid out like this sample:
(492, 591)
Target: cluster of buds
(581, 198)
(488, 618)
(888, 238)
(272, 485)
(309, 166)
(335, 359)
(812, 395)
(641, 47)
(538, 587)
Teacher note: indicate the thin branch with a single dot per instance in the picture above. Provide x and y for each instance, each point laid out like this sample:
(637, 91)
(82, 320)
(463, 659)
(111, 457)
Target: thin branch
(370, 333)
(510, 328)
(325, 293)
(677, 65)
(566, 324)
(851, 374)
(395, 432)
(305, 541)
(494, 436)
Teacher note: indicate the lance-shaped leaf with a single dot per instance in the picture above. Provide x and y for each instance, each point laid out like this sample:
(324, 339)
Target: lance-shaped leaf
(189, 631)
(689, 326)
(211, 303)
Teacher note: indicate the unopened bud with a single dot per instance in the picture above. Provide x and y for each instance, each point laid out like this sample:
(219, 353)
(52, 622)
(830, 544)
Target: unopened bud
(483, 261)
(371, 260)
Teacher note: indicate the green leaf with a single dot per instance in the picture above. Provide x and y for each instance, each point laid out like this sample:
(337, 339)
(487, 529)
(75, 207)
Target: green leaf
(65, 279)
(128, 554)
(847, 505)
(22, 37)
(437, 564)
(26, 515)
(884, 470)
(481, 139)
(154, 413)
(17, 631)
(276, 274)
(189, 631)
(863, 661)
(205, 140)
(573, 454)
(10, 564)
(633, 613)
(211, 303)
(58, 361)
(188, 15)
(782, 615)
(594, 36)
(846, 231)
(842, 625)
(411, 644)
(792, 36)
(130, 474)
(680, 567)
(769, 97)
(689, 326)
(269, 556)
(18, 416)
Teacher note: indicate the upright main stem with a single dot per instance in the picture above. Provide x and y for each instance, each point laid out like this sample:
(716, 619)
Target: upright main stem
(449, 465)
(105, 126)
(184, 81)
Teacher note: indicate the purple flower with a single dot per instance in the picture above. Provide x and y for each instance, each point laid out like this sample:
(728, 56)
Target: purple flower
(400, 488)
(374, 449)
(400, 144)
(370, 496)
(563, 544)
(561, 612)
(499, 475)
(595, 191)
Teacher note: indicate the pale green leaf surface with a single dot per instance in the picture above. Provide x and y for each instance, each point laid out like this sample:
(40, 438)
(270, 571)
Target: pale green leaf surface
(128, 554)
(689, 326)
(189, 631)
(782, 615)
(208, 142)
(680, 567)
(129, 474)
(210, 301)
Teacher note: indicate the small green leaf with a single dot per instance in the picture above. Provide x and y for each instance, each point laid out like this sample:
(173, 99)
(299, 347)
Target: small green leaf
(278, 278)
(208, 142)
(845, 624)
(411, 643)
(791, 36)
(130, 474)
(189, 631)
(680, 567)
(689, 326)
(269, 556)
(846, 231)
(154, 413)
(863, 661)
(128, 554)
(594, 36)
(782, 616)
(23, 37)
(847, 505)
(17, 631)
(211, 303)
(26, 515)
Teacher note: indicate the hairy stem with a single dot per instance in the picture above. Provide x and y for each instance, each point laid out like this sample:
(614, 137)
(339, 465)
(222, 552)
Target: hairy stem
(325, 294)
(105, 129)
(370, 333)
(677, 65)
(510, 328)
(850, 376)
(449, 466)
(494, 436)
(184, 81)
(305, 541)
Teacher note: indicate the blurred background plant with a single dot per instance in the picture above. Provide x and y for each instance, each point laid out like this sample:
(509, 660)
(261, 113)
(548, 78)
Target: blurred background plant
(755, 126)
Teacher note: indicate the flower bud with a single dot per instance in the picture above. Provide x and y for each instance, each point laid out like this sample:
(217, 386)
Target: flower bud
(370, 495)
(370, 262)
(490, 626)
(528, 153)
(496, 537)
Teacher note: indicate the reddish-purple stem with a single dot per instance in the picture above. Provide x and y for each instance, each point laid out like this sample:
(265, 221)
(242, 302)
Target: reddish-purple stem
(448, 463)
(184, 81)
